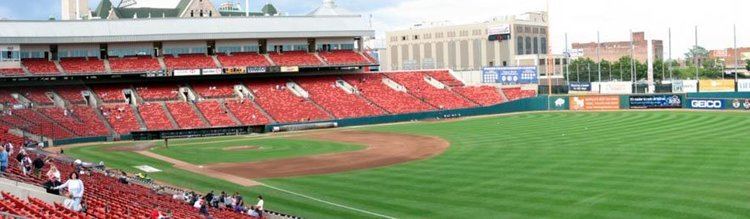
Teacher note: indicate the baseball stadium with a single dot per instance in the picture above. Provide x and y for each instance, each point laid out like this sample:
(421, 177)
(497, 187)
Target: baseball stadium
(180, 109)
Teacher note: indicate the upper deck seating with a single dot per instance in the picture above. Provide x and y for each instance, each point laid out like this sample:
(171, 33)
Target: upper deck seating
(40, 66)
(344, 57)
(189, 61)
(243, 59)
(74, 66)
(295, 58)
(134, 64)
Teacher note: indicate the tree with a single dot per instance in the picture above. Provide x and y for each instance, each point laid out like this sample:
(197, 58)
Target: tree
(747, 64)
(696, 54)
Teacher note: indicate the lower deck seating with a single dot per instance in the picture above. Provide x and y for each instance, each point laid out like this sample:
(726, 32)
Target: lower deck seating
(440, 98)
(516, 93)
(215, 114)
(40, 66)
(185, 116)
(6, 97)
(73, 94)
(38, 96)
(215, 89)
(111, 93)
(246, 112)
(324, 91)
(134, 64)
(28, 120)
(483, 95)
(372, 87)
(160, 92)
(120, 117)
(90, 120)
(90, 65)
(446, 78)
(155, 116)
(295, 58)
(282, 104)
(66, 119)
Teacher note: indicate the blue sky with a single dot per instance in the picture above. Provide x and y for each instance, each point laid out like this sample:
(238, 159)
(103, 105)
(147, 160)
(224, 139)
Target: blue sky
(580, 19)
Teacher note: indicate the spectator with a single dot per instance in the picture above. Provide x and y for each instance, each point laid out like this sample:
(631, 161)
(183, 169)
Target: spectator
(38, 165)
(3, 160)
(229, 202)
(209, 197)
(259, 206)
(203, 208)
(26, 165)
(239, 203)
(75, 191)
(53, 180)
(9, 148)
(253, 212)
(155, 213)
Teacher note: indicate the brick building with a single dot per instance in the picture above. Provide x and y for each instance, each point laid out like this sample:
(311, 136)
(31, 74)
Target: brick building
(613, 51)
(728, 56)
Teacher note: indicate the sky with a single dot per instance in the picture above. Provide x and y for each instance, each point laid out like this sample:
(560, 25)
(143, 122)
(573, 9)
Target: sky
(579, 19)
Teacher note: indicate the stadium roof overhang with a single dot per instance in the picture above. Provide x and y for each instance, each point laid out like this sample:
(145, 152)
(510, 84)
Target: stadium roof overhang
(174, 29)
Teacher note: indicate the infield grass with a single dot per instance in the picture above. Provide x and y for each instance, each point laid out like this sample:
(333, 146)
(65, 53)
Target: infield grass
(661, 164)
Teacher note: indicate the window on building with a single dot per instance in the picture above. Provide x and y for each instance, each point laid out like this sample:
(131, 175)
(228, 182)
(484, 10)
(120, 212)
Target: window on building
(416, 37)
(536, 45)
(542, 62)
(528, 46)
(519, 46)
(544, 45)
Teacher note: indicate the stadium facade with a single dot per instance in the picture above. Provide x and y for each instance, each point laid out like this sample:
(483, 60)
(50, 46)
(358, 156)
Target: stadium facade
(519, 40)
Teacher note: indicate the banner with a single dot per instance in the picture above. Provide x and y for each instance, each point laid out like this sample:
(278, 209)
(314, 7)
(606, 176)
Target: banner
(579, 87)
(719, 104)
(616, 87)
(211, 71)
(716, 86)
(256, 70)
(187, 72)
(655, 102)
(510, 75)
(583, 103)
(743, 85)
(289, 69)
(234, 71)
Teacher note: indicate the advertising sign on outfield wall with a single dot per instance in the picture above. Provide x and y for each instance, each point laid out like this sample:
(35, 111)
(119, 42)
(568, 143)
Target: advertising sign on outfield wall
(509, 75)
(716, 86)
(584, 103)
(655, 102)
(579, 87)
(719, 104)
(743, 85)
(558, 103)
(187, 72)
(621, 87)
(685, 86)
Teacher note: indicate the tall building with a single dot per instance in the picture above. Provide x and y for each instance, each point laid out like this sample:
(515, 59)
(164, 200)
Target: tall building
(613, 51)
(730, 58)
(74, 9)
(519, 40)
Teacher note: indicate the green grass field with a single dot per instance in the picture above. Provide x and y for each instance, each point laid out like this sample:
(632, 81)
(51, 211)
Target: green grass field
(542, 165)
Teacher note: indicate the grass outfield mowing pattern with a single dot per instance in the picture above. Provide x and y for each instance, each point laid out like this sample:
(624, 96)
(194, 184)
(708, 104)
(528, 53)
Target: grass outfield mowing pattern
(212, 150)
(559, 165)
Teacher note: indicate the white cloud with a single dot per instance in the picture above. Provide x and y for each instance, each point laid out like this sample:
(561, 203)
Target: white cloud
(582, 18)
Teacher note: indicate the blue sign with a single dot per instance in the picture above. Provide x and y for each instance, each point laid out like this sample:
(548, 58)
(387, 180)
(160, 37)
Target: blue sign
(510, 75)
(579, 87)
(655, 102)
(719, 104)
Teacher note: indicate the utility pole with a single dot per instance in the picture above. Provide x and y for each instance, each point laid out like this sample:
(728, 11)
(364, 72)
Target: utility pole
(598, 57)
(567, 59)
(671, 77)
(695, 57)
(736, 57)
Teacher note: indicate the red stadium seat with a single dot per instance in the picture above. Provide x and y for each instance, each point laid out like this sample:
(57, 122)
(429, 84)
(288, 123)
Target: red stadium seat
(159, 92)
(135, 64)
(484, 95)
(243, 59)
(38, 96)
(296, 58)
(91, 65)
(155, 116)
(517, 94)
(441, 98)
(11, 72)
(40, 66)
(344, 57)
(216, 116)
(246, 112)
(323, 90)
(121, 117)
(372, 87)
(189, 61)
(214, 89)
(184, 115)
(73, 94)
(277, 100)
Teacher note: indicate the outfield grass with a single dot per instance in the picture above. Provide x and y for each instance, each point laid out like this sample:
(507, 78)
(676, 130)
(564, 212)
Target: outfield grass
(559, 165)
(214, 150)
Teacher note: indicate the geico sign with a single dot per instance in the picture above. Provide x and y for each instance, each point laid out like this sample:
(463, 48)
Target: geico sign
(706, 104)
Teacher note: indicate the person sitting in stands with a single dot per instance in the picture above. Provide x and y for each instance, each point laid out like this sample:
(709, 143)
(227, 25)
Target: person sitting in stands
(38, 164)
(253, 212)
(53, 180)
(75, 191)
(26, 165)
(3, 160)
